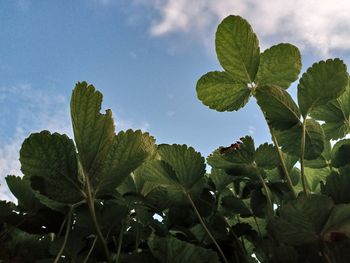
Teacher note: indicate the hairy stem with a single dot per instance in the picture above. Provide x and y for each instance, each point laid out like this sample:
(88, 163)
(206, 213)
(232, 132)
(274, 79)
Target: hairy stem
(68, 228)
(120, 241)
(205, 227)
(302, 153)
(91, 205)
(268, 197)
(283, 164)
(90, 250)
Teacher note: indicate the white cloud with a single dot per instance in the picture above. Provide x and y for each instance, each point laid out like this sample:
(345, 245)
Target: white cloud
(318, 25)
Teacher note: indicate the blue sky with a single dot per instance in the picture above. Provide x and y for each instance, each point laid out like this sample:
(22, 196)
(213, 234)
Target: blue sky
(145, 57)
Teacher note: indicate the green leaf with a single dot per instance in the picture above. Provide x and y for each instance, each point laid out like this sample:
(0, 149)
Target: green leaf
(234, 205)
(323, 160)
(229, 157)
(337, 186)
(290, 140)
(340, 153)
(93, 131)
(314, 178)
(237, 48)
(335, 114)
(219, 91)
(280, 65)
(279, 109)
(338, 224)
(51, 159)
(322, 82)
(128, 151)
(220, 179)
(301, 220)
(266, 156)
(188, 164)
(21, 189)
(171, 250)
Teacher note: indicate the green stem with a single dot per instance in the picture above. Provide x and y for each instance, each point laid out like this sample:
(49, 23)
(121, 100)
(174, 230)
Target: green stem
(120, 241)
(205, 227)
(91, 205)
(68, 228)
(302, 153)
(283, 164)
(90, 250)
(268, 197)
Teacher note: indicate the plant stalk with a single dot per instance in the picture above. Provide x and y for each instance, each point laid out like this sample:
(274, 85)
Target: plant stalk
(205, 227)
(302, 154)
(120, 241)
(90, 250)
(68, 228)
(283, 164)
(270, 212)
(91, 205)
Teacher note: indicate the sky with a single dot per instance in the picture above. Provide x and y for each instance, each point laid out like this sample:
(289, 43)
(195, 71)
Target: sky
(145, 56)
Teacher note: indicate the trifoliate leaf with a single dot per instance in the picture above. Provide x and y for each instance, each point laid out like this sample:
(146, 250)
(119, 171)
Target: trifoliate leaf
(237, 48)
(127, 152)
(301, 220)
(219, 91)
(290, 140)
(280, 65)
(279, 109)
(51, 159)
(93, 131)
(322, 82)
(171, 250)
(335, 114)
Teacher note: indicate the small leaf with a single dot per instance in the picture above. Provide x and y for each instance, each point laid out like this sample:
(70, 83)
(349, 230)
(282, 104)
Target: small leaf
(266, 156)
(335, 114)
(235, 206)
(219, 91)
(51, 159)
(337, 186)
(237, 48)
(337, 227)
(322, 82)
(301, 220)
(280, 65)
(171, 250)
(279, 109)
(220, 179)
(290, 140)
(93, 131)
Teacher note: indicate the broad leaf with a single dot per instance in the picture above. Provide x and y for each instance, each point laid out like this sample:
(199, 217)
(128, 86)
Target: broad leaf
(338, 225)
(237, 48)
(337, 186)
(315, 177)
(340, 153)
(220, 179)
(322, 82)
(290, 140)
(51, 159)
(301, 220)
(127, 152)
(93, 131)
(181, 170)
(279, 109)
(323, 160)
(219, 91)
(21, 189)
(335, 114)
(171, 250)
(280, 65)
(235, 206)
(266, 156)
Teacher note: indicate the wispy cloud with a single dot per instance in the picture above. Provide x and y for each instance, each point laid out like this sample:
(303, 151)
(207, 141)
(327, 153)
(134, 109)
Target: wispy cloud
(317, 25)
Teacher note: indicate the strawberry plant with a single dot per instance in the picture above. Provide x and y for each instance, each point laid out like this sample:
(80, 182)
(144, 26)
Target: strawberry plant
(119, 197)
